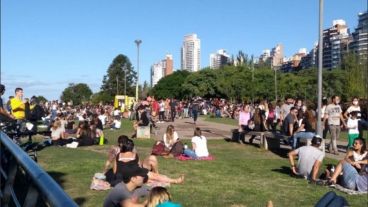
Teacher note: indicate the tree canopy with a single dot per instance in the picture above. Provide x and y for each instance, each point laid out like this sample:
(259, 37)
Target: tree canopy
(77, 93)
(113, 82)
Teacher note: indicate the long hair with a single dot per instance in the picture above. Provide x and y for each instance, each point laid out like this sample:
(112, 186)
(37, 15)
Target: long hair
(170, 133)
(197, 132)
(362, 142)
(127, 145)
(157, 196)
(311, 118)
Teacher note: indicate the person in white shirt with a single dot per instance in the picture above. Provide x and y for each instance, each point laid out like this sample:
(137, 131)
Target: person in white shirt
(199, 146)
(161, 112)
(170, 137)
(352, 125)
(309, 159)
(102, 117)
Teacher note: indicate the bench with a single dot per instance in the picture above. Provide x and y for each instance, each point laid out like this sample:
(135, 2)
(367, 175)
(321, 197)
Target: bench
(268, 140)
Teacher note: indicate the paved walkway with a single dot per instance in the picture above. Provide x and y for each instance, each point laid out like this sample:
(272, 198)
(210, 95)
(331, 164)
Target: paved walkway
(185, 128)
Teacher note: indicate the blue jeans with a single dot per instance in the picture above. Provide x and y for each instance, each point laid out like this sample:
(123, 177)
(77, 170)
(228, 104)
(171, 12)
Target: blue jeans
(190, 153)
(307, 135)
(330, 199)
(349, 176)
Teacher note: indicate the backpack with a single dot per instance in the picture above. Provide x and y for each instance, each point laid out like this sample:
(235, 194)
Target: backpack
(177, 149)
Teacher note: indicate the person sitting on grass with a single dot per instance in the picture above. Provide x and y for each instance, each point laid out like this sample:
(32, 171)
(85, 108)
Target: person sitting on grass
(126, 193)
(358, 153)
(128, 158)
(160, 197)
(86, 135)
(170, 137)
(57, 133)
(309, 159)
(199, 146)
(351, 178)
(149, 163)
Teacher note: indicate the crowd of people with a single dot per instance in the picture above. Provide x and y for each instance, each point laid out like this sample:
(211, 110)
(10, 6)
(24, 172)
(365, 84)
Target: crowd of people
(132, 177)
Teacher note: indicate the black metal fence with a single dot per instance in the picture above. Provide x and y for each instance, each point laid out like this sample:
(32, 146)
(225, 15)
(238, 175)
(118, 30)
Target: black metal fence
(37, 188)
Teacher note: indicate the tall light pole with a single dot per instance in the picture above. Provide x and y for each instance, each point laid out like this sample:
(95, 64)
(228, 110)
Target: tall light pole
(320, 50)
(275, 85)
(124, 69)
(125, 81)
(117, 85)
(137, 42)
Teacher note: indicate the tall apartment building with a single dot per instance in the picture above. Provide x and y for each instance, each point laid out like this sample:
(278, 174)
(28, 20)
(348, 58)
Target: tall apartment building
(161, 69)
(310, 60)
(277, 56)
(168, 65)
(157, 73)
(335, 43)
(219, 59)
(264, 58)
(359, 44)
(191, 53)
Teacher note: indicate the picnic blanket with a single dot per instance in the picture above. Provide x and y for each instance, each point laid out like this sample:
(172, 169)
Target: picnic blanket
(348, 191)
(182, 157)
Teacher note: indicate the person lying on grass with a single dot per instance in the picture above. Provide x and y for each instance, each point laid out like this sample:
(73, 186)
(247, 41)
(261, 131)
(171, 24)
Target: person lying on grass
(127, 192)
(128, 158)
(355, 173)
(309, 159)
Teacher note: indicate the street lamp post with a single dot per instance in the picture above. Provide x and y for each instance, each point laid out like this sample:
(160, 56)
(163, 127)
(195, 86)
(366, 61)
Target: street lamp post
(275, 85)
(320, 49)
(137, 42)
(124, 69)
(117, 85)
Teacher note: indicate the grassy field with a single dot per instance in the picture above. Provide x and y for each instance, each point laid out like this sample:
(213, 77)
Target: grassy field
(240, 175)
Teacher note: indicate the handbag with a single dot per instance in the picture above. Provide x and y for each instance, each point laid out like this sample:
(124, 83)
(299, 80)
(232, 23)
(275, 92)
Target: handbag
(159, 149)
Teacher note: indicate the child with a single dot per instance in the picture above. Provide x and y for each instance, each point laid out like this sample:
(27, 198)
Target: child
(352, 125)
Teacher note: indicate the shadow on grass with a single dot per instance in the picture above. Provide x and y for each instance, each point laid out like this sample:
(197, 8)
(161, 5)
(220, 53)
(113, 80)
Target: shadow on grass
(59, 178)
(282, 152)
(80, 200)
(284, 170)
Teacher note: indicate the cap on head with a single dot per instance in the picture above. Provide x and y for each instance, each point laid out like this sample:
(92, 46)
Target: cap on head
(317, 140)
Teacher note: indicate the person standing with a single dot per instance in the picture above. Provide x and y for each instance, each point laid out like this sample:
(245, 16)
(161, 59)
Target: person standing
(333, 114)
(195, 108)
(17, 105)
(173, 106)
(4, 114)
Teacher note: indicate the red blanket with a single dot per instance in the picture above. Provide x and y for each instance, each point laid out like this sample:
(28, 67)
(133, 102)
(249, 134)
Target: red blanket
(184, 158)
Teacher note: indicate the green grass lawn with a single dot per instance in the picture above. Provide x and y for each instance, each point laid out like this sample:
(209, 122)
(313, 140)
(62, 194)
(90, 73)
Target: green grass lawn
(241, 175)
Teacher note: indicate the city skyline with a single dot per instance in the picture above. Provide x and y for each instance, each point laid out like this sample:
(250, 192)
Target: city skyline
(79, 40)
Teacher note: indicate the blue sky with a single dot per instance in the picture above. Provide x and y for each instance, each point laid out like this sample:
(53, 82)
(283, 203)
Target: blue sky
(45, 45)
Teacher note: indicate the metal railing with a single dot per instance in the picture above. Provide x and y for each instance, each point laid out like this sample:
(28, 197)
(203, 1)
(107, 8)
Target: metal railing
(40, 187)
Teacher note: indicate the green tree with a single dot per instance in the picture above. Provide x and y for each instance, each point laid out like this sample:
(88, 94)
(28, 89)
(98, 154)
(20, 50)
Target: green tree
(77, 93)
(101, 97)
(356, 85)
(113, 82)
(171, 85)
(41, 99)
